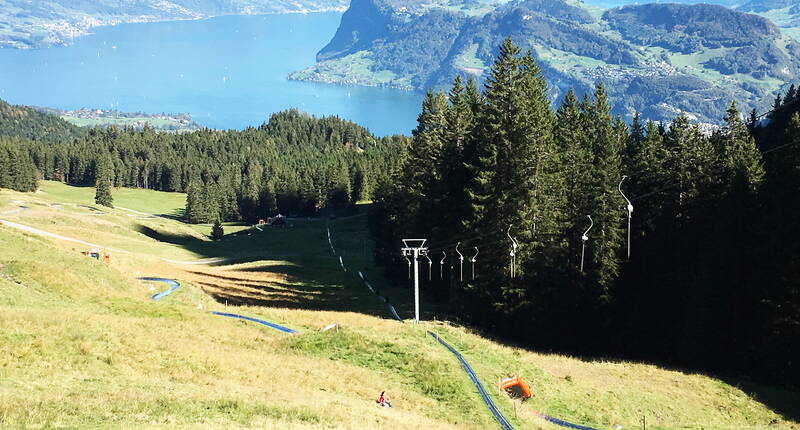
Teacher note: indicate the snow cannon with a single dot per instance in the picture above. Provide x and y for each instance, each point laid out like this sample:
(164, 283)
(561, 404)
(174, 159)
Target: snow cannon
(516, 388)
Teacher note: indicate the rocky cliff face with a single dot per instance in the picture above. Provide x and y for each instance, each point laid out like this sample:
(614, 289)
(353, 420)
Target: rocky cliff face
(362, 23)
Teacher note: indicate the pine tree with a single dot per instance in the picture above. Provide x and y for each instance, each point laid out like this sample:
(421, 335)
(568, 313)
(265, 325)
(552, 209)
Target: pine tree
(576, 156)
(217, 232)
(791, 93)
(500, 126)
(248, 192)
(693, 163)
(195, 210)
(517, 182)
(607, 205)
(450, 199)
(738, 152)
(751, 123)
(776, 107)
(268, 204)
(103, 179)
(648, 175)
(419, 175)
(474, 156)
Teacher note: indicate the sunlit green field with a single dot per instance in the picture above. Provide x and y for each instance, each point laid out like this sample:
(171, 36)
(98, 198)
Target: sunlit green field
(84, 346)
(156, 123)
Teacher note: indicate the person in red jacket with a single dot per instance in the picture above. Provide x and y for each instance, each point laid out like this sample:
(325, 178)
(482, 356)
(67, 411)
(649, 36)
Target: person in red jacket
(383, 400)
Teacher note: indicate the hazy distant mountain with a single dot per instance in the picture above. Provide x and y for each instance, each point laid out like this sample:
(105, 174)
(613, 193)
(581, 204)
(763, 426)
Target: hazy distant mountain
(25, 23)
(658, 59)
(617, 3)
(767, 5)
(784, 13)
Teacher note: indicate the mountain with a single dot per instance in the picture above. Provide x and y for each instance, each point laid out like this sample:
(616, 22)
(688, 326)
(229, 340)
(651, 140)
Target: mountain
(785, 13)
(29, 123)
(41, 23)
(658, 59)
(618, 3)
(767, 5)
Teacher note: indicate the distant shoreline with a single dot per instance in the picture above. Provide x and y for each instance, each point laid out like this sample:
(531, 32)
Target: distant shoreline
(85, 117)
(63, 33)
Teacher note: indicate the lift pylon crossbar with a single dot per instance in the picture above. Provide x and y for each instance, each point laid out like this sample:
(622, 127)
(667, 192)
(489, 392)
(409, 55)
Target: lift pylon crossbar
(415, 248)
(409, 244)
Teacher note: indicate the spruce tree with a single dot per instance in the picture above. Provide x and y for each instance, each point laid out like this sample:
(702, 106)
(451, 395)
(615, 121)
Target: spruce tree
(694, 164)
(751, 122)
(608, 208)
(791, 93)
(475, 186)
(738, 152)
(450, 200)
(634, 140)
(648, 174)
(500, 131)
(419, 175)
(576, 155)
(103, 178)
(776, 107)
(194, 206)
(217, 232)
(517, 182)
(500, 126)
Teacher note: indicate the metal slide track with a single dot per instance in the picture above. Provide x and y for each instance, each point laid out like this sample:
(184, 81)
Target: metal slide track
(173, 286)
(481, 390)
(255, 320)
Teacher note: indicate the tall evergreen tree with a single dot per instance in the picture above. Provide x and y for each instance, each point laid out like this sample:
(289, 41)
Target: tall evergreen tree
(738, 152)
(576, 155)
(103, 179)
(419, 176)
(607, 205)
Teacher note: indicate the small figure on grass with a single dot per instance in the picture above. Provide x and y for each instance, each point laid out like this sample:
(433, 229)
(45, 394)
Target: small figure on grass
(383, 400)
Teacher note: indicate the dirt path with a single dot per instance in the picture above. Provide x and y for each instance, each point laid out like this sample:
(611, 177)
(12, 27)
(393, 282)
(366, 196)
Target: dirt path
(39, 232)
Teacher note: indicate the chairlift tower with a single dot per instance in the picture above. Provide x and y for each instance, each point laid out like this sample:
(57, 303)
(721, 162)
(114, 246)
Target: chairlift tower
(415, 248)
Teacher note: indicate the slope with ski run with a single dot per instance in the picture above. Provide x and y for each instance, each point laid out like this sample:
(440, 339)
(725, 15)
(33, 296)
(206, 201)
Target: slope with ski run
(86, 346)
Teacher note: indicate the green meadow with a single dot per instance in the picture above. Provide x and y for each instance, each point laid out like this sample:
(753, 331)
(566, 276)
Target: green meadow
(85, 346)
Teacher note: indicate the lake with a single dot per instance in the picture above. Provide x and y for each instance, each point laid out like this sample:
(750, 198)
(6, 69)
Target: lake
(227, 72)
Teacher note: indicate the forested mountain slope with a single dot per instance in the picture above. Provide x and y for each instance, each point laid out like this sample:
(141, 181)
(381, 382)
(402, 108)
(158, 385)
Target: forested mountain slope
(785, 13)
(28, 123)
(27, 24)
(767, 5)
(294, 164)
(700, 275)
(658, 59)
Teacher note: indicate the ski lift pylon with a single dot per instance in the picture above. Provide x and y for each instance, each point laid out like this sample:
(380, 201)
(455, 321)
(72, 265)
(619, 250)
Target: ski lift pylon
(584, 238)
(630, 212)
(461, 263)
(474, 259)
(513, 252)
(430, 266)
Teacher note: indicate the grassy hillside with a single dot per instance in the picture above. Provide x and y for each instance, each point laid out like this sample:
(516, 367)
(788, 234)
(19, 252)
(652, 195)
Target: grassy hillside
(84, 346)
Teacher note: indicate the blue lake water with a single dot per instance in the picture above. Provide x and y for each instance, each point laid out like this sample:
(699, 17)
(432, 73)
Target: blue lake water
(227, 72)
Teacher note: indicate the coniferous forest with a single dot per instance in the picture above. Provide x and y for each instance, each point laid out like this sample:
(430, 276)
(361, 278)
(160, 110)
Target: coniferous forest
(713, 278)
(295, 164)
(712, 281)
